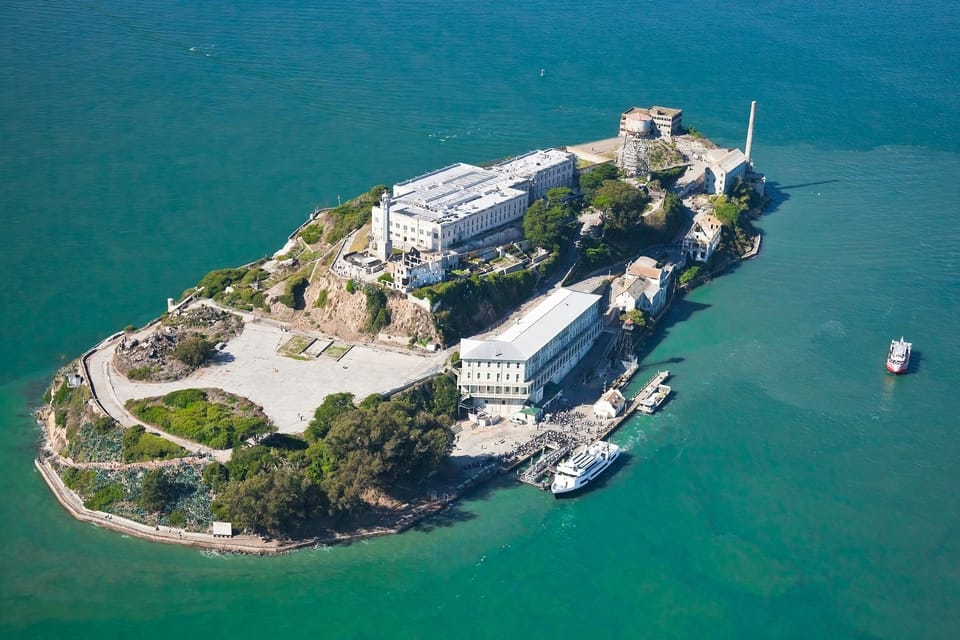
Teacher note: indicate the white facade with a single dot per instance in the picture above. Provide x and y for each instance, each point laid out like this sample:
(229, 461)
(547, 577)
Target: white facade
(508, 371)
(724, 167)
(445, 207)
(610, 405)
(645, 286)
(668, 121)
(702, 239)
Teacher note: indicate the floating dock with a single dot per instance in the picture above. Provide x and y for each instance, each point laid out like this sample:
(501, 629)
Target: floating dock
(653, 394)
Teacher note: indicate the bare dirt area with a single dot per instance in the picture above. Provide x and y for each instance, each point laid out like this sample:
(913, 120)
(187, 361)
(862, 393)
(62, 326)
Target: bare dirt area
(152, 357)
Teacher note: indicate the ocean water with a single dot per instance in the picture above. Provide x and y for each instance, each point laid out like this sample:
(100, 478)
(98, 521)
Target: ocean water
(790, 489)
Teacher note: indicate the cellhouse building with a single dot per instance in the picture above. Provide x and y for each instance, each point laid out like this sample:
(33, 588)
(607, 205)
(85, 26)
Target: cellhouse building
(521, 366)
(443, 208)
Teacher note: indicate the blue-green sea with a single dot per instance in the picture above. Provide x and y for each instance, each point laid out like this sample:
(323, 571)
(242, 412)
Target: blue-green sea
(790, 489)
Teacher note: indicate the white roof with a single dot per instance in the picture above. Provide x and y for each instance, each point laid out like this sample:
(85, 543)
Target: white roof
(727, 159)
(529, 164)
(452, 192)
(533, 331)
(222, 529)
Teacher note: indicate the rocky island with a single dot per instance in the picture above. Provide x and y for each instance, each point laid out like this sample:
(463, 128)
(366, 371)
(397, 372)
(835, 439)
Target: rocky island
(345, 387)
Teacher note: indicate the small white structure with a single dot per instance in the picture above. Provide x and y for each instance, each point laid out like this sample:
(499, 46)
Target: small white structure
(724, 167)
(636, 120)
(610, 405)
(668, 121)
(702, 239)
(222, 530)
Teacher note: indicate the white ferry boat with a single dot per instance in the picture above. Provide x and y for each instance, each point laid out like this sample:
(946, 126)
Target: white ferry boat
(582, 466)
(898, 358)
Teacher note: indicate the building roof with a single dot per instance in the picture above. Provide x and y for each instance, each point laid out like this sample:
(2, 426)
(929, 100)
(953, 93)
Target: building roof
(453, 192)
(614, 398)
(665, 111)
(726, 159)
(527, 166)
(644, 267)
(705, 227)
(636, 113)
(222, 529)
(533, 331)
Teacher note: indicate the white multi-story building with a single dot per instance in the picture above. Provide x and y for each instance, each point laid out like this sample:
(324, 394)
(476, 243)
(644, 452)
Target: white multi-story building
(724, 166)
(703, 237)
(540, 170)
(504, 373)
(668, 121)
(450, 205)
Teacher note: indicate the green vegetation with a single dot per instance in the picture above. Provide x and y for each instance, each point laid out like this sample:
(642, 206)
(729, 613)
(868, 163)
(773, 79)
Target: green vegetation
(104, 497)
(193, 351)
(245, 287)
(693, 133)
(663, 224)
(592, 180)
(311, 233)
(155, 491)
(667, 177)
(378, 313)
(83, 481)
(295, 345)
(321, 300)
(215, 418)
(622, 206)
(352, 214)
(144, 372)
(637, 316)
(293, 292)
(548, 223)
(337, 351)
(138, 445)
(690, 274)
(385, 277)
(351, 286)
(354, 453)
(470, 304)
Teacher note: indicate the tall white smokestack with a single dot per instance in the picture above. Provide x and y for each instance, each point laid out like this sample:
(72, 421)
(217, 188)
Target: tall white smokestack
(753, 113)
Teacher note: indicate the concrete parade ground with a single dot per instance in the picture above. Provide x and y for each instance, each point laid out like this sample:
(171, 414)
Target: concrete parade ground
(288, 389)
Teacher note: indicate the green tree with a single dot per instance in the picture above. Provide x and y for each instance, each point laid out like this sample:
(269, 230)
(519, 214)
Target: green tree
(193, 351)
(280, 502)
(334, 405)
(591, 180)
(155, 491)
(622, 205)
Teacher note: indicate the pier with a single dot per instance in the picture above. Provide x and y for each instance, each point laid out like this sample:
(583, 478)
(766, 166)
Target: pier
(653, 394)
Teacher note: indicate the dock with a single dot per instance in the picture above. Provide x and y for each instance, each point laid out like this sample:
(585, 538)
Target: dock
(653, 394)
(560, 444)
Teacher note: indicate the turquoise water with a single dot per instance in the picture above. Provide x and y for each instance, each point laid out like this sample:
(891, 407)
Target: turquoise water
(791, 489)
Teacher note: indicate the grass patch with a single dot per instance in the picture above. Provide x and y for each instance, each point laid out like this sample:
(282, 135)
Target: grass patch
(211, 417)
(361, 239)
(295, 345)
(337, 351)
(138, 446)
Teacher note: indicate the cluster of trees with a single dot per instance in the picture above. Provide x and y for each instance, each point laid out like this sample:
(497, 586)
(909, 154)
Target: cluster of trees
(245, 290)
(286, 486)
(549, 222)
(378, 313)
(190, 413)
(470, 304)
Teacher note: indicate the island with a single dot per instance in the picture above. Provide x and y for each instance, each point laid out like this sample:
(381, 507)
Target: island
(402, 347)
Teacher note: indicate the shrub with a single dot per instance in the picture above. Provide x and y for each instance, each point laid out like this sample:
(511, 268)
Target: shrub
(155, 491)
(104, 497)
(177, 518)
(141, 373)
(193, 351)
(351, 286)
(321, 300)
(293, 294)
(311, 233)
(184, 398)
(690, 274)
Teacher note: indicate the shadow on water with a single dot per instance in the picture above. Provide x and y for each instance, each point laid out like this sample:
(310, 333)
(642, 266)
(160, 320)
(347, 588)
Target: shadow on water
(778, 194)
(454, 514)
(916, 360)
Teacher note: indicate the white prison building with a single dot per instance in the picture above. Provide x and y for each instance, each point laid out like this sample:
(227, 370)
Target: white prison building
(504, 373)
(450, 205)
